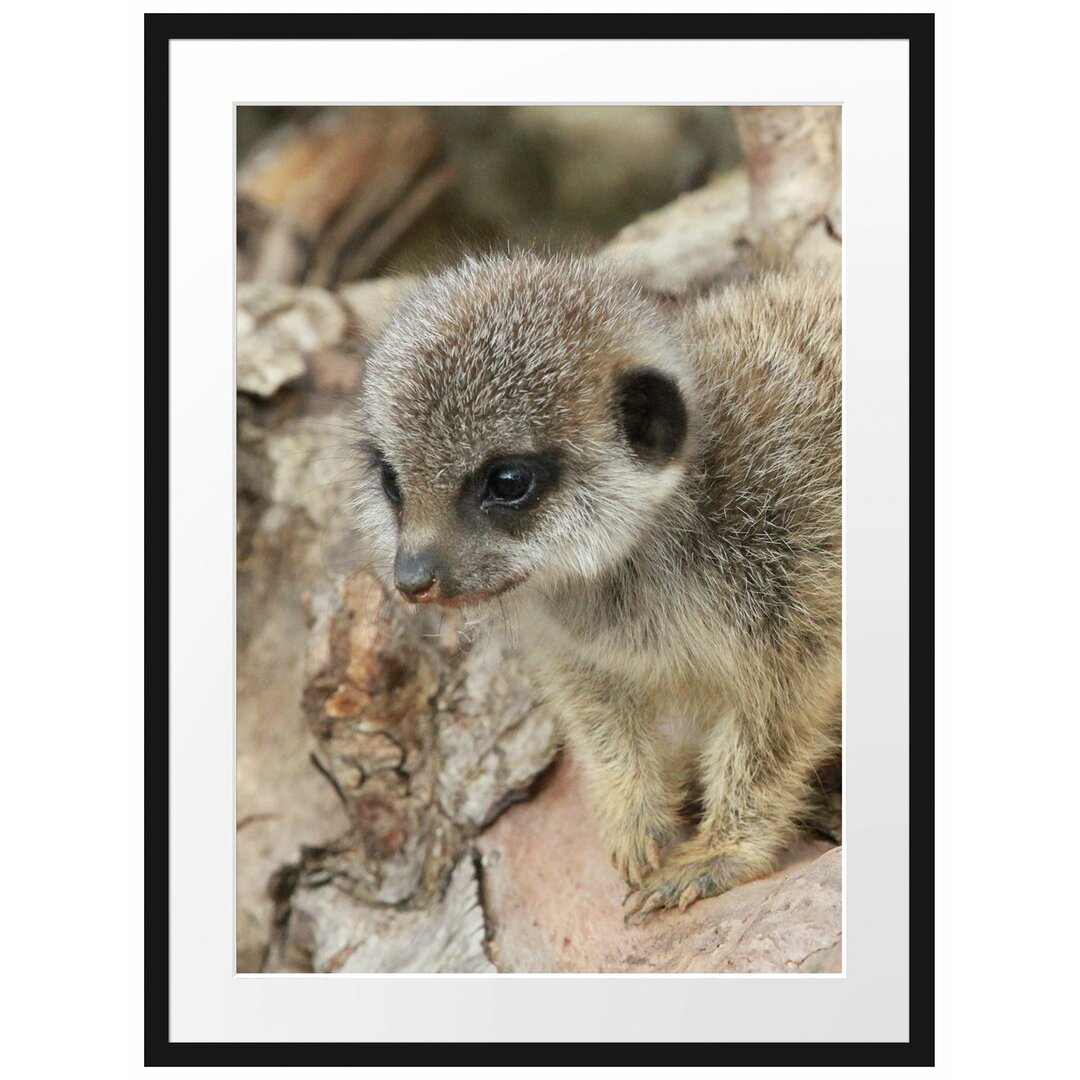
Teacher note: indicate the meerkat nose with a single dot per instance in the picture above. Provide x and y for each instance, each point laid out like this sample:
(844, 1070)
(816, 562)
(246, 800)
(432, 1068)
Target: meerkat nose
(414, 576)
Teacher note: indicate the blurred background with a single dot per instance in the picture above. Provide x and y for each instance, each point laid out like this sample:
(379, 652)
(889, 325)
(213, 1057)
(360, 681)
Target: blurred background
(333, 195)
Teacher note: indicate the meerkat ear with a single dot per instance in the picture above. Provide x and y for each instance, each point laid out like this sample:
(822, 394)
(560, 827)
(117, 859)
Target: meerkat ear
(652, 414)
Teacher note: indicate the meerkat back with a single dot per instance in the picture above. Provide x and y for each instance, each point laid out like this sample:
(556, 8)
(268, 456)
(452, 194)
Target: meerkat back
(765, 549)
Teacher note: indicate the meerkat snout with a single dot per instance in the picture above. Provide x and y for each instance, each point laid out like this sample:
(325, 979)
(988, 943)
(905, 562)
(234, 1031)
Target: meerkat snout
(416, 576)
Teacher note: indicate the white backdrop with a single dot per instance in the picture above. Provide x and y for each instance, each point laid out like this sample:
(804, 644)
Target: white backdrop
(1006, 997)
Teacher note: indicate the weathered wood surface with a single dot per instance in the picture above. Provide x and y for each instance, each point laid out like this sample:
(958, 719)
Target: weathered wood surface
(421, 740)
(328, 930)
(285, 331)
(554, 904)
(425, 738)
(332, 193)
(793, 160)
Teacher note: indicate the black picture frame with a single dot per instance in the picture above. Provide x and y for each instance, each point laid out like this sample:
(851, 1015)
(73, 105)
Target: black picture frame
(918, 30)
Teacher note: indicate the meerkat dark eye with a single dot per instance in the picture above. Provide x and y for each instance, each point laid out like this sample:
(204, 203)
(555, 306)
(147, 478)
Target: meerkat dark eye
(389, 481)
(507, 484)
(507, 487)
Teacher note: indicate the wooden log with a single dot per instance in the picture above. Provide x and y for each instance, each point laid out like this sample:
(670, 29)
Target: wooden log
(793, 160)
(330, 195)
(425, 737)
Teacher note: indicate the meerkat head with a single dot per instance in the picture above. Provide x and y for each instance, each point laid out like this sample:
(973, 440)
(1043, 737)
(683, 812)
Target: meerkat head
(522, 419)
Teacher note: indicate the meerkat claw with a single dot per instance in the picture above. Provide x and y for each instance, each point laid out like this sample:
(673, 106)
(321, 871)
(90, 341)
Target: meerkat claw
(689, 895)
(652, 902)
(620, 865)
(652, 852)
(632, 903)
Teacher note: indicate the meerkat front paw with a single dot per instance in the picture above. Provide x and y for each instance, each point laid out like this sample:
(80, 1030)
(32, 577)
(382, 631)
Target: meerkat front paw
(662, 890)
(638, 851)
(691, 873)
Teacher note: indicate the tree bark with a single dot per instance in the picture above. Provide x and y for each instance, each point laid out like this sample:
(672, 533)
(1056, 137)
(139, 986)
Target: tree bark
(334, 192)
(793, 159)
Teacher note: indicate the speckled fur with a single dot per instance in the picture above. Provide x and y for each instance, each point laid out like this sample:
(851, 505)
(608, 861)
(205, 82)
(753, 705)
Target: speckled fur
(684, 616)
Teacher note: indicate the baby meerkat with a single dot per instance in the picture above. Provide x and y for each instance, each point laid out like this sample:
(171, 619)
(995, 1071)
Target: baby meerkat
(655, 499)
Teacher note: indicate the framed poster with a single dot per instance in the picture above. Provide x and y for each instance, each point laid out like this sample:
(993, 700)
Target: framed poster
(408, 825)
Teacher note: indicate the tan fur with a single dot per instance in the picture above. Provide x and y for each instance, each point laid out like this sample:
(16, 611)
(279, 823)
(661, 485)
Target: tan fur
(683, 614)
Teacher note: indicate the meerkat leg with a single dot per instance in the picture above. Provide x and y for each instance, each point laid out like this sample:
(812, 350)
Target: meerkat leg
(759, 769)
(635, 799)
(634, 787)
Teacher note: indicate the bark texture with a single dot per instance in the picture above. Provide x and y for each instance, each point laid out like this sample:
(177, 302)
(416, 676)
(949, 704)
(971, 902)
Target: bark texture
(793, 158)
(332, 193)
